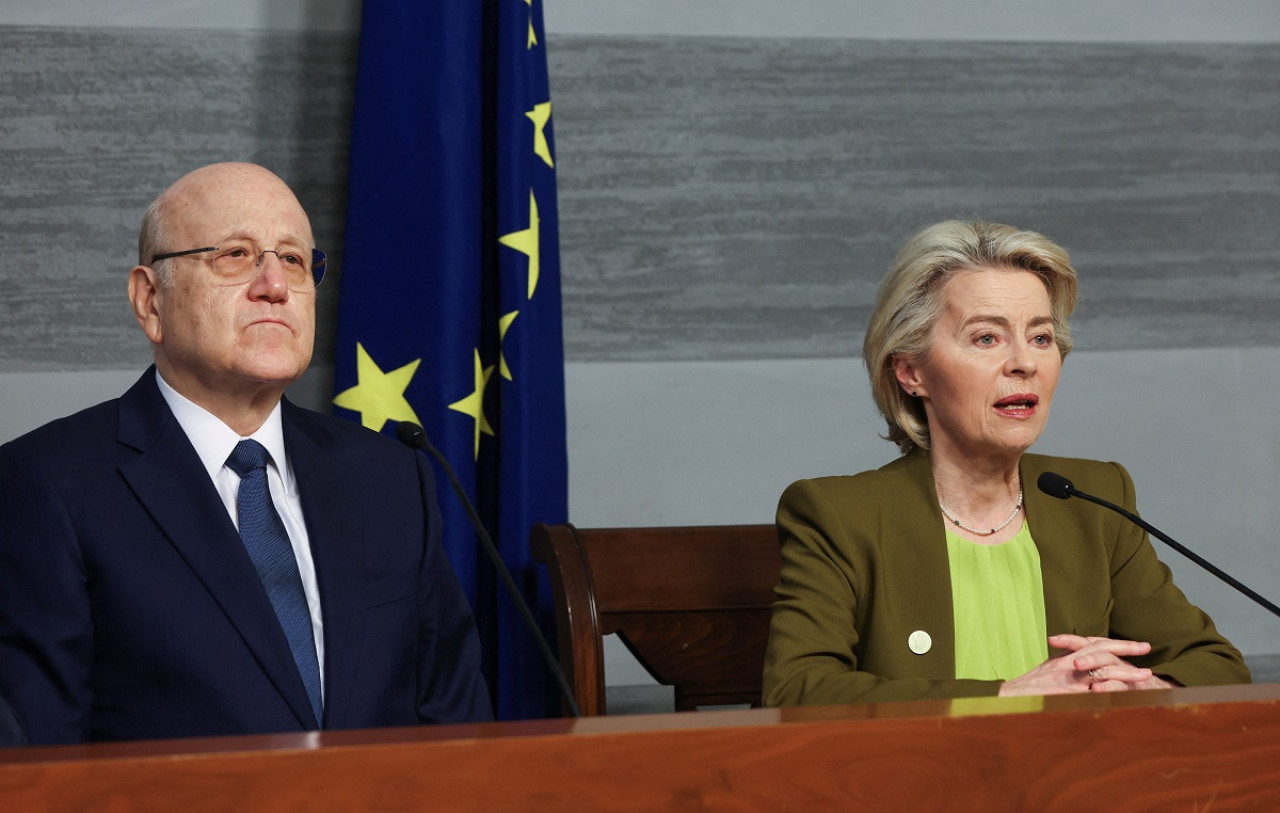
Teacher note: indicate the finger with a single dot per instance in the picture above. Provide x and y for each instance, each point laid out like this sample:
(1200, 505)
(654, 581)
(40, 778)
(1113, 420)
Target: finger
(1112, 668)
(1110, 686)
(1125, 647)
(1069, 638)
(1123, 672)
(1071, 643)
(1129, 674)
(1108, 651)
(1097, 639)
(1119, 646)
(1082, 645)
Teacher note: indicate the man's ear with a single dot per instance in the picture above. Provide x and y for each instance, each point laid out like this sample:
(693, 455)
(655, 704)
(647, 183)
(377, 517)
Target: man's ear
(908, 375)
(144, 288)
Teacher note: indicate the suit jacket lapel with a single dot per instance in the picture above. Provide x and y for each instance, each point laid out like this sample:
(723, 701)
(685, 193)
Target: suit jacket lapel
(921, 575)
(337, 549)
(1054, 524)
(171, 483)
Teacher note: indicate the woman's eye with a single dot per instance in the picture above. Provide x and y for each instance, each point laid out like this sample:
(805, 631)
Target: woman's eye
(987, 339)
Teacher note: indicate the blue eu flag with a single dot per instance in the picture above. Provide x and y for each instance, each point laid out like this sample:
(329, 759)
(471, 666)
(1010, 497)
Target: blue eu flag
(449, 309)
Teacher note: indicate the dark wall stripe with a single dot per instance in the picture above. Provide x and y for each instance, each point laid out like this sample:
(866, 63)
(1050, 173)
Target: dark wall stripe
(719, 197)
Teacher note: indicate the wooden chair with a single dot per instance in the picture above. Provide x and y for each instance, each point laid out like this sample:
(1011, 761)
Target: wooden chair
(691, 603)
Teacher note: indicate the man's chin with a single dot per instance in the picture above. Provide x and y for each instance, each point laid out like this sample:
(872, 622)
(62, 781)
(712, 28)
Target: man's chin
(280, 373)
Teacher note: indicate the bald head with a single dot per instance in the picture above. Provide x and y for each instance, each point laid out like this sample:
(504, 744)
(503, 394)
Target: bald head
(212, 188)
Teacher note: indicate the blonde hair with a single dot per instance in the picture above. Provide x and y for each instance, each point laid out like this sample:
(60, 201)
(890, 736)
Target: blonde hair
(910, 301)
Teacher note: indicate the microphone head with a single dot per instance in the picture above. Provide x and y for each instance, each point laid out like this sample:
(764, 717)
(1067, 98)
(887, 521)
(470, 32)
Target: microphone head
(1055, 485)
(410, 434)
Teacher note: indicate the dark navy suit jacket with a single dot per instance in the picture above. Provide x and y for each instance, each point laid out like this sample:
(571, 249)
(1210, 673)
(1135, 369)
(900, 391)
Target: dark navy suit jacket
(129, 609)
(10, 732)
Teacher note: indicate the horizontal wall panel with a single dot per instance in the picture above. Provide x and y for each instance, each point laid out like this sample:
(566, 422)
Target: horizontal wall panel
(720, 198)
(728, 198)
(95, 122)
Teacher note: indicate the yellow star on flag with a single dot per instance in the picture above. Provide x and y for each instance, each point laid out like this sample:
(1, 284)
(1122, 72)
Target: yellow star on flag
(378, 396)
(473, 404)
(533, 38)
(503, 324)
(525, 241)
(540, 115)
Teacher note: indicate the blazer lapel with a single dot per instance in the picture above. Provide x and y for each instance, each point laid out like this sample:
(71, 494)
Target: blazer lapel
(171, 483)
(337, 548)
(917, 567)
(1054, 525)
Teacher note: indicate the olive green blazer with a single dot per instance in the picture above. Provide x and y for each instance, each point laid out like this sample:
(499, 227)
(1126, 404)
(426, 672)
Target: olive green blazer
(865, 572)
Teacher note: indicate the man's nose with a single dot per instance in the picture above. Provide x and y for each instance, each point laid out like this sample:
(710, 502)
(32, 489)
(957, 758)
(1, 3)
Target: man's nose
(271, 280)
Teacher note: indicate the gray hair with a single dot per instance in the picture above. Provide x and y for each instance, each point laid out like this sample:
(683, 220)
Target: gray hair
(153, 239)
(910, 301)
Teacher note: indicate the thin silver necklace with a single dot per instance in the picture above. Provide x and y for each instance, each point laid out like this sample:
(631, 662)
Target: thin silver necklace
(999, 527)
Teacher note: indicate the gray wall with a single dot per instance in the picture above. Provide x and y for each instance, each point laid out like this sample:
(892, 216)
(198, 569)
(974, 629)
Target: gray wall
(727, 204)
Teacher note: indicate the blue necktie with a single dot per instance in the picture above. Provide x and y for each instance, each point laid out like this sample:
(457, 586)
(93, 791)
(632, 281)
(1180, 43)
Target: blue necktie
(264, 537)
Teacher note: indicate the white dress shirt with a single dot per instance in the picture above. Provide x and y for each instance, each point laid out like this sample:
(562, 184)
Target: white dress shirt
(214, 442)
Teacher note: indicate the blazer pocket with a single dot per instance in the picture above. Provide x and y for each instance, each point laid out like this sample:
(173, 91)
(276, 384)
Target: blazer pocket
(1099, 627)
(390, 589)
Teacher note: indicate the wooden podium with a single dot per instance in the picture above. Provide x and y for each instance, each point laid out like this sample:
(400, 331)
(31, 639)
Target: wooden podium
(1211, 749)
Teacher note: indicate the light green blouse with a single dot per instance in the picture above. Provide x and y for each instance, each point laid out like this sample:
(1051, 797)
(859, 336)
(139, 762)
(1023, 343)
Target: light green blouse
(998, 597)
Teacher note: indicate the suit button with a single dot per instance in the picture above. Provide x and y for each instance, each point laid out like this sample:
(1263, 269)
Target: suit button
(919, 642)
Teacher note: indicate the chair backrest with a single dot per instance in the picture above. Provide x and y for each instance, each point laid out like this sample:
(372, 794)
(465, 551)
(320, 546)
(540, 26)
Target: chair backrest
(691, 603)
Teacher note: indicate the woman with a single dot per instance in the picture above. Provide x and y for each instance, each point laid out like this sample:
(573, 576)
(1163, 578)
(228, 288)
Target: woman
(946, 573)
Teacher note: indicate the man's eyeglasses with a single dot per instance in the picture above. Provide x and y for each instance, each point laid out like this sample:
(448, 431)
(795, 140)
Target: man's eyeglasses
(237, 263)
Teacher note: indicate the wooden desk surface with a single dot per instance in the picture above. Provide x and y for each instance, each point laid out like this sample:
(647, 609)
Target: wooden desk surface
(1209, 749)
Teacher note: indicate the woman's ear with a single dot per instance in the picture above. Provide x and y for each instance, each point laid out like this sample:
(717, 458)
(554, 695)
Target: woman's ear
(908, 375)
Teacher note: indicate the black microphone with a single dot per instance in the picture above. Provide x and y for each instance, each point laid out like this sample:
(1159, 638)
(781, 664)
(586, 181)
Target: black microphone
(413, 435)
(1055, 485)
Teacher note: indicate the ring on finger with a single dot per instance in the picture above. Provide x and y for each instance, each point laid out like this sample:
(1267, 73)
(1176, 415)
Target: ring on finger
(1093, 675)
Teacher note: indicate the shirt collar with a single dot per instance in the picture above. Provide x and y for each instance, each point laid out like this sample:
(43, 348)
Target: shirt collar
(214, 440)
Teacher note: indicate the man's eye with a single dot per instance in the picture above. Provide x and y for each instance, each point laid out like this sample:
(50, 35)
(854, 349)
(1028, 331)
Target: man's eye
(289, 258)
(236, 252)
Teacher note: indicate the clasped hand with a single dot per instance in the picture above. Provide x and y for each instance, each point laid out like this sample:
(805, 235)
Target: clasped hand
(1087, 665)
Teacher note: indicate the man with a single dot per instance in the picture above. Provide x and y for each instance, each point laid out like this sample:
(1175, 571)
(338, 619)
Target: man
(201, 556)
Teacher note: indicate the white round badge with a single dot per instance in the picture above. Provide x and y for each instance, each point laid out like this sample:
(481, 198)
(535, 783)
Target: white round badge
(919, 642)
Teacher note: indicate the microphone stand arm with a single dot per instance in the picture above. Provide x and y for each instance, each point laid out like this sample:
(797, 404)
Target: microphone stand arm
(1151, 529)
(505, 576)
